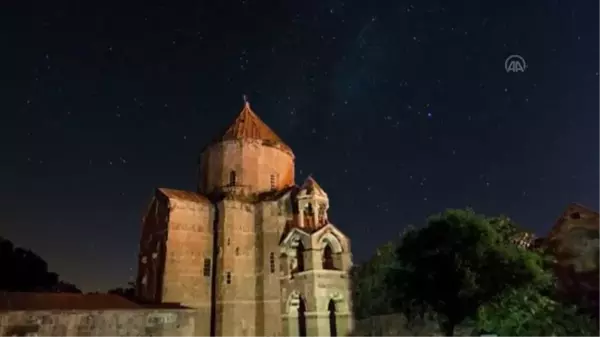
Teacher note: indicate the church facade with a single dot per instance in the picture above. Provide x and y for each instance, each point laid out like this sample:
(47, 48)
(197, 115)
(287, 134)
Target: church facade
(252, 252)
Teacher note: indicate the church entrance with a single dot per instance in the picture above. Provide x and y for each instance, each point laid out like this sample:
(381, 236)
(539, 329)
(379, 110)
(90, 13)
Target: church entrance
(332, 320)
(302, 318)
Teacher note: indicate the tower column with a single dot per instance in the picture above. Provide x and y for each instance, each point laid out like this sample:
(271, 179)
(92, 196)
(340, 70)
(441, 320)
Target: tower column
(316, 323)
(345, 324)
(316, 213)
(301, 216)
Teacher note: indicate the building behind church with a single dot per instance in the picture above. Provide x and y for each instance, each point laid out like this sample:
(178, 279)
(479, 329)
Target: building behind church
(574, 242)
(251, 251)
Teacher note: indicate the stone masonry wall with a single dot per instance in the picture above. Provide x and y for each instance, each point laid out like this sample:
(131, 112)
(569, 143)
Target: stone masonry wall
(188, 260)
(270, 220)
(253, 163)
(396, 325)
(236, 270)
(142, 322)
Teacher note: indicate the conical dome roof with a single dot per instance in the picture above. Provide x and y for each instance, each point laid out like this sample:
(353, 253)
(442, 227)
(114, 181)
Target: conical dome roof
(248, 125)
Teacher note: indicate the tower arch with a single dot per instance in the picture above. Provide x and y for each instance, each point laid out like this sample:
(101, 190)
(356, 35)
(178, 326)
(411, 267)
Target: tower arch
(296, 311)
(292, 302)
(327, 258)
(328, 239)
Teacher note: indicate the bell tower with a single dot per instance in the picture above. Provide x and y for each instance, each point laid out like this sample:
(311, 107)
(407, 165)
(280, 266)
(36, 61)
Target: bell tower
(316, 261)
(313, 204)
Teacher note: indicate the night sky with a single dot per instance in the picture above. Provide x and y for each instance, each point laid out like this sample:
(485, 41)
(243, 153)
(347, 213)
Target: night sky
(399, 110)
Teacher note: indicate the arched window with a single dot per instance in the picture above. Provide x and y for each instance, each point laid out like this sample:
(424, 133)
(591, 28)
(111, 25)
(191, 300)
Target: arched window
(322, 218)
(328, 258)
(300, 256)
(272, 262)
(309, 216)
(332, 318)
(302, 318)
(232, 178)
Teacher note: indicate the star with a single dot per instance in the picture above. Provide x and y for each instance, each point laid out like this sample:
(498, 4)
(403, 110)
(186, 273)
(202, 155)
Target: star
(337, 82)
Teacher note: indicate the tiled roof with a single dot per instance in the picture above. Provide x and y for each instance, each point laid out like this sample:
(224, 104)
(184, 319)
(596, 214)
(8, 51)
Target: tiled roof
(312, 187)
(63, 301)
(276, 194)
(183, 195)
(248, 125)
(293, 224)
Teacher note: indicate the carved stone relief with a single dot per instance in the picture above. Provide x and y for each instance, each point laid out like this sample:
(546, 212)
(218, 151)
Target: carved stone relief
(160, 318)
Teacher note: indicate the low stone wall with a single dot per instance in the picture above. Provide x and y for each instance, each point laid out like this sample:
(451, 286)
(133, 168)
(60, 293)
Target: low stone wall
(396, 325)
(137, 322)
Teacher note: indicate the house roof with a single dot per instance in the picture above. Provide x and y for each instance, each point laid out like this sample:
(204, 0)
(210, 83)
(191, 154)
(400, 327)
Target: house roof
(247, 125)
(63, 301)
(21, 301)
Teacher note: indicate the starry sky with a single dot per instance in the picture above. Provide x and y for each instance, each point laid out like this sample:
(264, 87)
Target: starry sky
(399, 109)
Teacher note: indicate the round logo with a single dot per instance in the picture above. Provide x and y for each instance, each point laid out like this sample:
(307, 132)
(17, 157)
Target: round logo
(515, 64)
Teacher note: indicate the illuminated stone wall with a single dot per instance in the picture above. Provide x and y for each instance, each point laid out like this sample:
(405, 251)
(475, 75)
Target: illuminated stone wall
(139, 322)
(574, 242)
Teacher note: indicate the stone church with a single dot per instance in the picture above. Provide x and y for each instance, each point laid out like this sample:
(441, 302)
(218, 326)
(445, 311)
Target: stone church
(252, 252)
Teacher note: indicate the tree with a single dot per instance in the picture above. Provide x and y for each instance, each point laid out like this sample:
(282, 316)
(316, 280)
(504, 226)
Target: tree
(66, 287)
(370, 293)
(370, 289)
(128, 292)
(526, 311)
(23, 270)
(457, 263)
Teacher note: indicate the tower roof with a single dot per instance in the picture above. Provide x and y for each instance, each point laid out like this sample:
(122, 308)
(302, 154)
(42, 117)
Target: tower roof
(247, 125)
(311, 187)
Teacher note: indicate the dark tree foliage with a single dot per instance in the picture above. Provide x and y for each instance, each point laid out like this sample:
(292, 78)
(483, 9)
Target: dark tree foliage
(23, 270)
(66, 287)
(526, 311)
(370, 292)
(457, 263)
(128, 292)
(466, 269)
